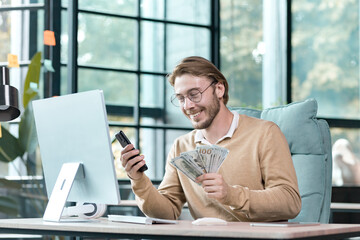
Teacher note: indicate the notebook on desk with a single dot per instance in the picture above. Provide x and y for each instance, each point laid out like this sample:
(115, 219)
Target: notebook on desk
(139, 220)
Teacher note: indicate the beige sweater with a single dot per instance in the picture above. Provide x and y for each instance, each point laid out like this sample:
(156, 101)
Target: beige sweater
(258, 168)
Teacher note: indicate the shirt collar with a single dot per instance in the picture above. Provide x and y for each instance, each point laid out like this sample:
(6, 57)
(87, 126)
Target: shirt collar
(199, 137)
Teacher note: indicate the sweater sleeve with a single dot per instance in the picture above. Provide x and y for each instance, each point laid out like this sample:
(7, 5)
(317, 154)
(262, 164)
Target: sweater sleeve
(166, 201)
(280, 198)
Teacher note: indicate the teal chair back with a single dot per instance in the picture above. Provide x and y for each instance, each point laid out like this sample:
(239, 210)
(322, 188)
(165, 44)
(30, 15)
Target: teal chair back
(310, 146)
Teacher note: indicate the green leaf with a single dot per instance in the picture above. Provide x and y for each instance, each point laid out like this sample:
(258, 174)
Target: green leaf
(27, 131)
(31, 85)
(8, 206)
(9, 146)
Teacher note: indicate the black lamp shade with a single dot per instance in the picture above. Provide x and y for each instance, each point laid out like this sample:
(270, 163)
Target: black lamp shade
(9, 100)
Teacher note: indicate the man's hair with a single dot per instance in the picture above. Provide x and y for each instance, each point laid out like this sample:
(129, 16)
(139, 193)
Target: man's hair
(199, 67)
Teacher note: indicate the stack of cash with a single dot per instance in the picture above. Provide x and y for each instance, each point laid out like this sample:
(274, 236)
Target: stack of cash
(204, 159)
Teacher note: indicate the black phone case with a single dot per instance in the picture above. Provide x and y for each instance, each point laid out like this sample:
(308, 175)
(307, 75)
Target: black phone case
(123, 140)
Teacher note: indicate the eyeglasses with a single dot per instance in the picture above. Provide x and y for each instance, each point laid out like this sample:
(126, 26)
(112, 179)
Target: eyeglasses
(194, 95)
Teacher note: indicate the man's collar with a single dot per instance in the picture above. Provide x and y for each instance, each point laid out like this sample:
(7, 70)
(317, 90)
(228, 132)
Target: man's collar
(199, 137)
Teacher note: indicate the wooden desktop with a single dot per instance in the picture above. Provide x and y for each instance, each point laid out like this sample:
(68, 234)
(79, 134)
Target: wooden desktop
(182, 230)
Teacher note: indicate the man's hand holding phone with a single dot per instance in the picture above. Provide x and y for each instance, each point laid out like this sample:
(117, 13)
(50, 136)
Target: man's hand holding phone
(133, 163)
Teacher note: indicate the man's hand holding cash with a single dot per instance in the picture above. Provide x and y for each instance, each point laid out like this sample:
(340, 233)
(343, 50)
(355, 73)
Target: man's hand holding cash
(204, 159)
(201, 166)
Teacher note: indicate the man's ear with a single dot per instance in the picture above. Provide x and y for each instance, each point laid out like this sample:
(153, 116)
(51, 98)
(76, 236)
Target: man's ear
(220, 90)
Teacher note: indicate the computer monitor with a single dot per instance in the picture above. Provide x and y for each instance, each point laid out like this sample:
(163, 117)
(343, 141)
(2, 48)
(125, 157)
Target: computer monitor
(75, 150)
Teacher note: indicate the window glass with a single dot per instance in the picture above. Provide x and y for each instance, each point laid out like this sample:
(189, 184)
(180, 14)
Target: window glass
(15, 39)
(21, 34)
(113, 118)
(64, 38)
(325, 55)
(119, 88)
(107, 41)
(5, 35)
(18, 2)
(40, 28)
(189, 11)
(346, 156)
(184, 41)
(151, 91)
(63, 81)
(171, 135)
(15, 34)
(152, 9)
(152, 146)
(152, 46)
(121, 7)
(241, 38)
(113, 42)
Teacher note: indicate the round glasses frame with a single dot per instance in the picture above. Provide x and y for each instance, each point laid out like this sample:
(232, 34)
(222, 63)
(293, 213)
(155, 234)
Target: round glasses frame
(194, 95)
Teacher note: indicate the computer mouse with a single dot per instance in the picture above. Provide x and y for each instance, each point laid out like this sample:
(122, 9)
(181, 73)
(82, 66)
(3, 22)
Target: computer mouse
(209, 221)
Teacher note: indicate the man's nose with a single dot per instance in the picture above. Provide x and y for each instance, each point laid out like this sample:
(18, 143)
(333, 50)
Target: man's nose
(188, 103)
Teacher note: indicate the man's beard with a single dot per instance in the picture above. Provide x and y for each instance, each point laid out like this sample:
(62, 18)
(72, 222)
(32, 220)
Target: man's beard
(212, 111)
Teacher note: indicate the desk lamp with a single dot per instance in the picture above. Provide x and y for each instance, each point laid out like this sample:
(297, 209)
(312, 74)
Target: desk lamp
(9, 103)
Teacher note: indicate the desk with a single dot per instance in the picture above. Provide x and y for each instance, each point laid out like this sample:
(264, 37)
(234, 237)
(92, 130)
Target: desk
(182, 230)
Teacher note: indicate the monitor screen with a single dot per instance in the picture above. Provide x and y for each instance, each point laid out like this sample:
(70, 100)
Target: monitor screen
(74, 129)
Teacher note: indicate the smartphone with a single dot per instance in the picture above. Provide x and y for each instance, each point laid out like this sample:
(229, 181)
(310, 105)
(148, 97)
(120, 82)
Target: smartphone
(123, 140)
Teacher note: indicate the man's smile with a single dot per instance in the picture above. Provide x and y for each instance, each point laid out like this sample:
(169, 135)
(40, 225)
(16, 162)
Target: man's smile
(194, 115)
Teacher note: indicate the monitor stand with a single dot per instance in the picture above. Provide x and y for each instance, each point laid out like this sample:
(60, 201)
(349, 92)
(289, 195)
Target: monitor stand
(61, 190)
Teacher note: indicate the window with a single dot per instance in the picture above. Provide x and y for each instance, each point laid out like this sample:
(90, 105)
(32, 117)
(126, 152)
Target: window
(277, 52)
(21, 34)
(126, 48)
(325, 66)
(241, 47)
(325, 56)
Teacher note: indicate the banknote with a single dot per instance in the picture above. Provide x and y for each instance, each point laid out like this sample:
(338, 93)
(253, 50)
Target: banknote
(194, 156)
(186, 168)
(203, 159)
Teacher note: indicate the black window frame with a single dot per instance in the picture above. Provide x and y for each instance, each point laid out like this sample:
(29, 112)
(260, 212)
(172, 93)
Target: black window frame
(137, 112)
(52, 81)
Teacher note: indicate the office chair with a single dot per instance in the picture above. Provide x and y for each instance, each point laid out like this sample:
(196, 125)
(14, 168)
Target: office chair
(310, 146)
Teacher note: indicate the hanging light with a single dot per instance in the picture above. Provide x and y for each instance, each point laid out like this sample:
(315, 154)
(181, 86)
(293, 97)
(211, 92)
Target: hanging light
(9, 100)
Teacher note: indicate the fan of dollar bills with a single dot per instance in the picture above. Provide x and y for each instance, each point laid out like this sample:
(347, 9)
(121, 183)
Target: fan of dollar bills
(204, 159)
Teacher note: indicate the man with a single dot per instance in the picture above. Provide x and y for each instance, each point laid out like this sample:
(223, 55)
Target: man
(257, 180)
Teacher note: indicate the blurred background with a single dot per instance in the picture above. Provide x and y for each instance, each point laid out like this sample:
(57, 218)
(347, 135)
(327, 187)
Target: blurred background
(272, 53)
